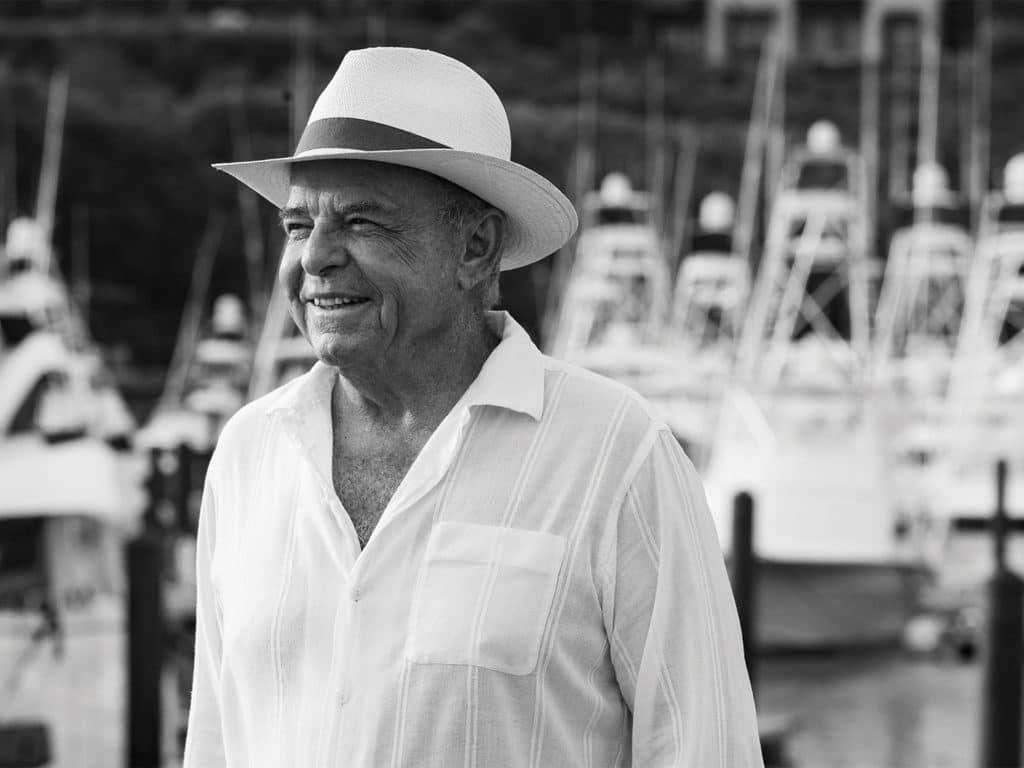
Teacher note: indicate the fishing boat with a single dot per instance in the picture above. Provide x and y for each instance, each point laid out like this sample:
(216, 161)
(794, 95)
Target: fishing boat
(199, 400)
(282, 352)
(799, 430)
(984, 414)
(707, 310)
(622, 318)
(615, 300)
(917, 324)
(72, 493)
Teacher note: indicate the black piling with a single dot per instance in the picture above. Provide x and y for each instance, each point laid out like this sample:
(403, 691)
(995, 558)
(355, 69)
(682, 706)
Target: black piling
(1001, 695)
(744, 578)
(183, 487)
(145, 562)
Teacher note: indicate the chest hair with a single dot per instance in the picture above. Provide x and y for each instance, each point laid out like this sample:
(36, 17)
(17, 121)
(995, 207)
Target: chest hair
(366, 477)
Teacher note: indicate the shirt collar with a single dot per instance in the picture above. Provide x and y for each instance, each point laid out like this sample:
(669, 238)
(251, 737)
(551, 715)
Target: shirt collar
(512, 377)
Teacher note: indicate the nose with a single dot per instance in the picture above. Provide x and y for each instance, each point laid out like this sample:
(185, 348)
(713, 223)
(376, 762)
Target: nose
(322, 252)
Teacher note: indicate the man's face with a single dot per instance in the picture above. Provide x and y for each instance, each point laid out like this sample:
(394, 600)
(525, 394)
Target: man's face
(368, 266)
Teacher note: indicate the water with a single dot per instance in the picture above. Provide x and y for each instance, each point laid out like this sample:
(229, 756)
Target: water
(875, 710)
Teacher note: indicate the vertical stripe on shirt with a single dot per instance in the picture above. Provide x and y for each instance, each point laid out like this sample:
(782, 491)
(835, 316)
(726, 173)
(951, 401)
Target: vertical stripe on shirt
(447, 485)
(515, 498)
(275, 631)
(536, 736)
(599, 704)
(716, 679)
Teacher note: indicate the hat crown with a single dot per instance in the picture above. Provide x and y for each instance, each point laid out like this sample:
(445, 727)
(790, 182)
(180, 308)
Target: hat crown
(421, 92)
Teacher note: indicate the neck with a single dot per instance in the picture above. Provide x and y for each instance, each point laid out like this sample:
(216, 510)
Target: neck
(416, 390)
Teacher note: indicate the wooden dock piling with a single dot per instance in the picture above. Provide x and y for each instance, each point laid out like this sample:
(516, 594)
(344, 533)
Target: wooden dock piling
(1001, 696)
(744, 578)
(145, 563)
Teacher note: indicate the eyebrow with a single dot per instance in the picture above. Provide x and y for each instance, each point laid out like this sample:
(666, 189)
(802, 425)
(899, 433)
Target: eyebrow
(362, 206)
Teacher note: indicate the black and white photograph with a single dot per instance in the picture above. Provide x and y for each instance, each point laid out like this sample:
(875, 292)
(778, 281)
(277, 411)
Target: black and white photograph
(511, 383)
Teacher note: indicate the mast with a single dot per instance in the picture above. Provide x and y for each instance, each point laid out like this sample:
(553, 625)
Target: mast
(871, 64)
(191, 318)
(302, 74)
(277, 327)
(931, 78)
(8, 160)
(581, 172)
(981, 109)
(49, 173)
(754, 154)
(687, 149)
(655, 138)
(248, 209)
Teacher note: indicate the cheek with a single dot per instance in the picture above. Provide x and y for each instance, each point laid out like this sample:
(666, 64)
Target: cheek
(289, 275)
(288, 271)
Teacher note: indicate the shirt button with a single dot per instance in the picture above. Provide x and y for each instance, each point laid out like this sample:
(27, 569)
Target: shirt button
(342, 699)
(355, 594)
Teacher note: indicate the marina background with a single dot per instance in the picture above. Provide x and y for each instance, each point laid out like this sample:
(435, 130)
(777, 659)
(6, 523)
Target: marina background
(111, 112)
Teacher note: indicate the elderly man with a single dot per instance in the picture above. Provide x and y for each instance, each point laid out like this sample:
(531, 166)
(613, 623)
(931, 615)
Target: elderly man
(440, 547)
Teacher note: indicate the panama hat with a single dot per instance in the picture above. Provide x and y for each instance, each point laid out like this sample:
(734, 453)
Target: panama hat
(424, 110)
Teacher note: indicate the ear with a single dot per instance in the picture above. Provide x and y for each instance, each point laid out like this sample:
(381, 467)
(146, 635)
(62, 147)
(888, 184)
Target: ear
(482, 253)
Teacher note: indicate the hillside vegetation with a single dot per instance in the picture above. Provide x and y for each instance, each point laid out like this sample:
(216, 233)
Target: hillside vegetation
(147, 116)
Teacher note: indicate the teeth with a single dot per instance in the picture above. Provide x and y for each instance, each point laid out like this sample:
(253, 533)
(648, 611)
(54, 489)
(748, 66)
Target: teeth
(328, 303)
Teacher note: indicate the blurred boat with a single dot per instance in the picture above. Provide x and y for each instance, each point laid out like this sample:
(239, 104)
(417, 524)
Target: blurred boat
(212, 386)
(72, 493)
(984, 417)
(920, 307)
(614, 307)
(708, 306)
(282, 352)
(615, 316)
(799, 429)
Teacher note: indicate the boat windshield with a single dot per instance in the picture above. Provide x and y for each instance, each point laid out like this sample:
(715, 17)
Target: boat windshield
(621, 215)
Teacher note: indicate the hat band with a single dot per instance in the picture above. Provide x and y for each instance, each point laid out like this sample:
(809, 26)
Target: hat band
(356, 133)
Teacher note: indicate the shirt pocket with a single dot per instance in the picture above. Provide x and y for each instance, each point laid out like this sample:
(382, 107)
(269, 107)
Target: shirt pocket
(484, 596)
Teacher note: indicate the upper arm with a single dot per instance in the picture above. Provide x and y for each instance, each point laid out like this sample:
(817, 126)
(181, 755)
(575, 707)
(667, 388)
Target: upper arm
(671, 621)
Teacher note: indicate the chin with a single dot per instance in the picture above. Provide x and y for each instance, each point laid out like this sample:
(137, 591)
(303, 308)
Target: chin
(338, 355)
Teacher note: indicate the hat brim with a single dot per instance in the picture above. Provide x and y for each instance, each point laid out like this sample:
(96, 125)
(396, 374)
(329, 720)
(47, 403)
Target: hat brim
(540, 218)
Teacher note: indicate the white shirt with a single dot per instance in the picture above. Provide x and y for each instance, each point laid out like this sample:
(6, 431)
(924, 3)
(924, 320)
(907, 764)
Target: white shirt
(546, 588)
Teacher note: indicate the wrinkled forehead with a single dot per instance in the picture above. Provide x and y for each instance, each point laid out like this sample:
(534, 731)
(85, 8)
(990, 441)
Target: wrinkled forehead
(364, 179)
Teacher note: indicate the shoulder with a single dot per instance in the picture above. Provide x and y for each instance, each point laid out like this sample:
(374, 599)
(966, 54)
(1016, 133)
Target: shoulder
(599, 394)
(588, 403)
(245, 430)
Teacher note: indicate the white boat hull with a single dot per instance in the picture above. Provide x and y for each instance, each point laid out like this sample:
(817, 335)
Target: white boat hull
(839, 565)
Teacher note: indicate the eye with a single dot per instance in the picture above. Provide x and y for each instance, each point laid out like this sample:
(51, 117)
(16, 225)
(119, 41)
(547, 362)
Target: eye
(296, 229)
(360, 221)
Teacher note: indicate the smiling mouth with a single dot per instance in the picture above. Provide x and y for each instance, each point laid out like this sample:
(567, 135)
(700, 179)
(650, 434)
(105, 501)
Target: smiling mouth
(337, 302)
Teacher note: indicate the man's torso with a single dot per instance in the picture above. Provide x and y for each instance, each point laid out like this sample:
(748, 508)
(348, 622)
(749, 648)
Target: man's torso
(366, 475)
